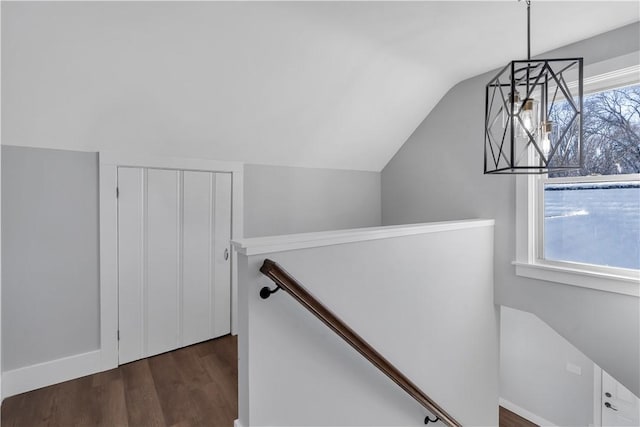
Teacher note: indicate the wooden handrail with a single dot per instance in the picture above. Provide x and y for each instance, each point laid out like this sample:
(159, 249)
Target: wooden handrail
(285, 281)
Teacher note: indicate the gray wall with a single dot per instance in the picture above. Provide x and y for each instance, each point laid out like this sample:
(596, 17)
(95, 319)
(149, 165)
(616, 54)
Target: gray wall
(438, 175)
(533, 371)
(50, 279)
(49, 255)
(285, 200)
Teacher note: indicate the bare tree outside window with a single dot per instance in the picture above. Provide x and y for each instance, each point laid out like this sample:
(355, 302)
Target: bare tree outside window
(611, 132)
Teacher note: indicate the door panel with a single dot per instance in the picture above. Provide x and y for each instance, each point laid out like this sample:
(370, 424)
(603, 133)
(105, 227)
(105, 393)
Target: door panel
(162, 302)
(197, 257)
(174, 277)
(130, 262)
(620, 407)
(222, 255)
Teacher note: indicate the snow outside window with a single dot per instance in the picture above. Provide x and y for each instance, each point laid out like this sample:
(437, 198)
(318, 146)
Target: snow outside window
(583, 227)
(592, 215)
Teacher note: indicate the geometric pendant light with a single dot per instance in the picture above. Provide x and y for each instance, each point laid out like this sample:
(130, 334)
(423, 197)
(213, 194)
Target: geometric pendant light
(533, 115)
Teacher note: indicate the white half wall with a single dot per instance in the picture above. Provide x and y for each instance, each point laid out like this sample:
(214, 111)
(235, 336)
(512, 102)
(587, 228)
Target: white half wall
(423, 300)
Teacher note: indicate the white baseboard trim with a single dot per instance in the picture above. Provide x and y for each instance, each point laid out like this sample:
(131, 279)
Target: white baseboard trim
(525, 414)
(47, 373)
(236, 423)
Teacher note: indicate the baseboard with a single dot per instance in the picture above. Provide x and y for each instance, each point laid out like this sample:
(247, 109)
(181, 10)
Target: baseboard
(525, 414)
(236, 423)
(55, 371)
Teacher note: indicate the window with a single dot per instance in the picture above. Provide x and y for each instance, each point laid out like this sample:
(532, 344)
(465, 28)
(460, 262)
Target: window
(592, 221)
(583, 227)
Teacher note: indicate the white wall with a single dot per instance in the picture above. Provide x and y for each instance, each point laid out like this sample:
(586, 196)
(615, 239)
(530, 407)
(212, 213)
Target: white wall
(311, 84)
(534, 375)
(438, 174)
(281, 83)
(286, 200)
(424, 301)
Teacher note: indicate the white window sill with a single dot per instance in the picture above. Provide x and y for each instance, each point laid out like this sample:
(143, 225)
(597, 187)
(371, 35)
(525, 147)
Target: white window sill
(575, 276)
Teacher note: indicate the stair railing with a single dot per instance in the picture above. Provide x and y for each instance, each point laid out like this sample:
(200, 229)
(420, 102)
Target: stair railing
(285, 281)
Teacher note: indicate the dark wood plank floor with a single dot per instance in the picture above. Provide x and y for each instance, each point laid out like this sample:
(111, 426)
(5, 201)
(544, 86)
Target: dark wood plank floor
(509, 419)
(190, 387)
(193, 386)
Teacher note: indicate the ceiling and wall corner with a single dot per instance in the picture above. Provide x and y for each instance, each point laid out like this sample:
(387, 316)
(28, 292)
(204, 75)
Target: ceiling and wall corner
(314, 84)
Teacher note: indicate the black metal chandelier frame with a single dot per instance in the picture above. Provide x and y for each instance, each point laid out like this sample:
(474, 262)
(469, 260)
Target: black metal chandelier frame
(512, 145)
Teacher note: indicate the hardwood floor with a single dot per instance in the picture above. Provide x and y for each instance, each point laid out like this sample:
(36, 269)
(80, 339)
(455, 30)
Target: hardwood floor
(189, 387)
(509, 419)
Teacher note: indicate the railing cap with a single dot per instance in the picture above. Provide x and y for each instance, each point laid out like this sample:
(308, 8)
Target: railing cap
(271, 244)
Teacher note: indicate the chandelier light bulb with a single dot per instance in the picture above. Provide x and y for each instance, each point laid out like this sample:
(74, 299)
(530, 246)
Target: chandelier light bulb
(512, 110)
(515, 106)
(545, 142)
(529, 117)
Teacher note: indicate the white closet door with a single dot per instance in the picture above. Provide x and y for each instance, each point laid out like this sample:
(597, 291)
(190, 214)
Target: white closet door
(174, 229)
(197, 273)
(131, 212)
(163, 251)
(222, 255)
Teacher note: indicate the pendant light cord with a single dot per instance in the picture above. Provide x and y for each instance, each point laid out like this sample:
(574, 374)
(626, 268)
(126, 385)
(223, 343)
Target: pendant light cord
(528, 2)
(528, 30)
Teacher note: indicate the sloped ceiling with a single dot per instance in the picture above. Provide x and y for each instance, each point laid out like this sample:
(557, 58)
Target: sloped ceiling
(315, 84)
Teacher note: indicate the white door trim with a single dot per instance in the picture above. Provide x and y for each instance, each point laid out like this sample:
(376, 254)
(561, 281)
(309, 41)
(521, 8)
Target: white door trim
(108, 181)
(597, 396)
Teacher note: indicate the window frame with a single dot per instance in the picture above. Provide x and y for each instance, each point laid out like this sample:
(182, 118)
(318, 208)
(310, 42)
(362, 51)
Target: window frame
(529, 261)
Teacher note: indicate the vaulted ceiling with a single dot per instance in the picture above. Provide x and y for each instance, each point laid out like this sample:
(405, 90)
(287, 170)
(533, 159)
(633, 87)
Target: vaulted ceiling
(316, 84)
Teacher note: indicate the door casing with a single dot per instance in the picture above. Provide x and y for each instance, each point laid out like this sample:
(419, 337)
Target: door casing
(598, 393)
(108, 181)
